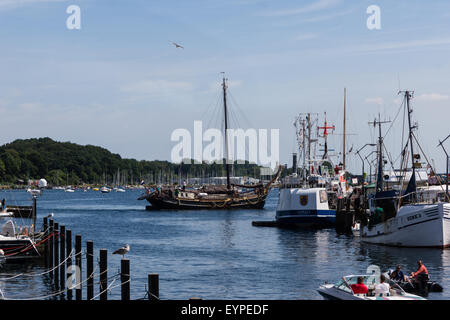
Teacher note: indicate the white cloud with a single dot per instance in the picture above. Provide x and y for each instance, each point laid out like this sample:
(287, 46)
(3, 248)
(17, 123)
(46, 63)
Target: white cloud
(377, 100)
(433, 97)
(312, 7)
(156, 87)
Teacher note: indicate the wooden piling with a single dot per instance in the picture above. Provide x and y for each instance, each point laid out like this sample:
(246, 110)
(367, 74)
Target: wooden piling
(56, 255)
(69, 261)
(50, 246)
(153, 287)
(90, 269)
(62, 256)
(125, 278)
(78, 290)
(46, 233)
(103, 274)
(34, 210)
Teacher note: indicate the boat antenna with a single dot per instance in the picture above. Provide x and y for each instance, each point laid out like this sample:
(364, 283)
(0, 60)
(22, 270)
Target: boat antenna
(380, 153)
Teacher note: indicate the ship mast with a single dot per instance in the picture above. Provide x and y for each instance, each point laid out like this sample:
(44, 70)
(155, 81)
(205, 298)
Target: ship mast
(227, 165)
(345, 116)
(411, 188)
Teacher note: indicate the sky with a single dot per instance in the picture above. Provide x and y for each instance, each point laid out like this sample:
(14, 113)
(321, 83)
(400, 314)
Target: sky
(119, 82)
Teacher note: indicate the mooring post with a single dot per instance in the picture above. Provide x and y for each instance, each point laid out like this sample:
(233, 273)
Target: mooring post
(34, 214)
(56, 254)
(78, 290)
(125, 278)
(153, 287)
(62, 256)
(69, 263)
(45, 226)
(90, 269)
(103, 274)
(51, 240)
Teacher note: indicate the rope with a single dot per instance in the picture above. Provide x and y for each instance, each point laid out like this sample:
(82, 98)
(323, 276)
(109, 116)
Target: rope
(45, 272)
(107, 288)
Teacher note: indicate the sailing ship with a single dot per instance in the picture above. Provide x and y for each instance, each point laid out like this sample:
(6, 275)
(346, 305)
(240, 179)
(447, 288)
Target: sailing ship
(231, 196)
(410, 217)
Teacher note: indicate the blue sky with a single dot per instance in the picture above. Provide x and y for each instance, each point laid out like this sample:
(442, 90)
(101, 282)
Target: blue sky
(119, 82)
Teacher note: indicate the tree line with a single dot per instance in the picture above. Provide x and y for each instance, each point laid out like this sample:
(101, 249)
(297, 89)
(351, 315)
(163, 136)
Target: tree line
(66, 163)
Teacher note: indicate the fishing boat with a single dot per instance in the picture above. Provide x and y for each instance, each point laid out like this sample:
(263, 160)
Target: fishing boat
(309, 199)
(342, 290)
(231, 196)
(410, 217)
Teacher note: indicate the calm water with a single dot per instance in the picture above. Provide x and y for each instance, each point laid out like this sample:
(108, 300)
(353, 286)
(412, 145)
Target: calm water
(210, 254)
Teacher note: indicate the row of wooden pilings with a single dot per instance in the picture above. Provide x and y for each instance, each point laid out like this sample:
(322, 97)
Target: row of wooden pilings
(60, 259)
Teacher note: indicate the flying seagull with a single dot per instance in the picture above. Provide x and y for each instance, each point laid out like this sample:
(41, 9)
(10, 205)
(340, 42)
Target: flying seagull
(177, 45)
(123, 251)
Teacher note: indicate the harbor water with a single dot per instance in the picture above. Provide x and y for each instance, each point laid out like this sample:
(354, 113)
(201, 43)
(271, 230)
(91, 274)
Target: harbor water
(209, 254)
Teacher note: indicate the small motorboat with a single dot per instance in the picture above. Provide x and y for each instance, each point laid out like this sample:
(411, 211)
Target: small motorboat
(34, 192)
(105, 190)
(16, 243)
(120, 190)
(342, 290)
(69, 189)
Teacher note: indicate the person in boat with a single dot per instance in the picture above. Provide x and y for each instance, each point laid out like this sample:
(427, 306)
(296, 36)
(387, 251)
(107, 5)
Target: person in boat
(398, 275)
(184, 185)
(382, 287)
(420, 277)
(3, 204)
(359, 287)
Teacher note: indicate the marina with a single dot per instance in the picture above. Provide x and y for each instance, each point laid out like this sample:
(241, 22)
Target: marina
(189, 154)
(218, 255)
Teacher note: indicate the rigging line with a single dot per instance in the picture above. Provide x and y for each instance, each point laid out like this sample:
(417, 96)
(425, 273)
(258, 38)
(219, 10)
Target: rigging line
(392, 123)
(214, 111)
(439, 180)
(389, 157)
(241, 111)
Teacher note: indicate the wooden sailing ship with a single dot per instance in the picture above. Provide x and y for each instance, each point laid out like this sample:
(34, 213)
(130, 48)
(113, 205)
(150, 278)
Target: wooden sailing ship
(231, 196)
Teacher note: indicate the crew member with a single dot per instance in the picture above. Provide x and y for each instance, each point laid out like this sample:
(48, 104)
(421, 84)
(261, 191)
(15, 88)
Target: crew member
(360, 287)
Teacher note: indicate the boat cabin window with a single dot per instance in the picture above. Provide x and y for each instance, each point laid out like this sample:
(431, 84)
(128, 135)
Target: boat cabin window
(323, 196)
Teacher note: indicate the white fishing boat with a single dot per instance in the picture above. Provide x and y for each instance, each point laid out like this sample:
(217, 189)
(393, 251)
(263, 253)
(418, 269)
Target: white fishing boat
(342, 290)
(415, 225)
(120, 189)
(414, 217)
(305, 207)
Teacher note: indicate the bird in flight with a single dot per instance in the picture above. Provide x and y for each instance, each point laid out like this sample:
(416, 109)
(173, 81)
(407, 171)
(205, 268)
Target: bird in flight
(123, 251)
(177, 45)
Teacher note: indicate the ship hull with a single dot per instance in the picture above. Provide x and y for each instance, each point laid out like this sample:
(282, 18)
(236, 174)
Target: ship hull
(426, 226)
(196, 204)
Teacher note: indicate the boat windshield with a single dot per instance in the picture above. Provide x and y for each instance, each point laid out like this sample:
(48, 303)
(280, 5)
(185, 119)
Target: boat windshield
(345, 283)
